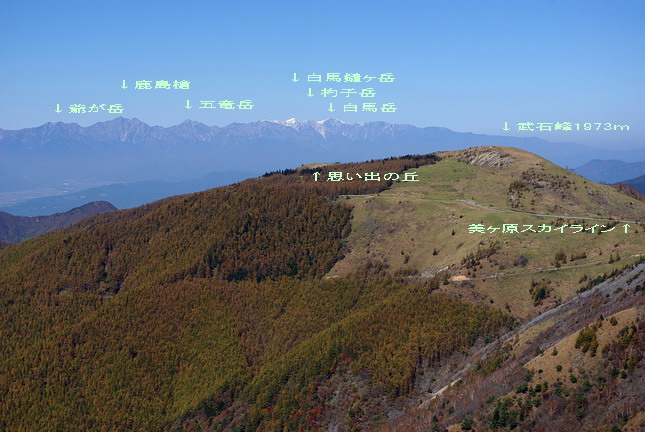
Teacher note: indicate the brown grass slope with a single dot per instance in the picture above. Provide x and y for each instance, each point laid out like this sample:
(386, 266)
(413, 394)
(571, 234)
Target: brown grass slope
(421, 229)
(577, 367)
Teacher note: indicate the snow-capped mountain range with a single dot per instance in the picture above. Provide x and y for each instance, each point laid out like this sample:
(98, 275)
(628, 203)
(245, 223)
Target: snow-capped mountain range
(129, 150)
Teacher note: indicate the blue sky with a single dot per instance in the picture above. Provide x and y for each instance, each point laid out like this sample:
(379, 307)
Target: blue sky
(465, 65)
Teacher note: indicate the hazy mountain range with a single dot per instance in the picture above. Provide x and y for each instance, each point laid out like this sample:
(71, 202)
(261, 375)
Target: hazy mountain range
(115, 148)
(611, 171)
(56, 157)
(638, 183)
(18, 228)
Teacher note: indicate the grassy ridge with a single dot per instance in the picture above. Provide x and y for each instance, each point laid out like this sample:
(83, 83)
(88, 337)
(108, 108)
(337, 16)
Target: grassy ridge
(422, 227)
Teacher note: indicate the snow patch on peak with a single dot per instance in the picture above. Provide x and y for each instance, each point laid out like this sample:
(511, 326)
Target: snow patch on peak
(331, 120)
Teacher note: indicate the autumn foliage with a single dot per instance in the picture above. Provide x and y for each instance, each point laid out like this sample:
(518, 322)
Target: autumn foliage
(210, 309)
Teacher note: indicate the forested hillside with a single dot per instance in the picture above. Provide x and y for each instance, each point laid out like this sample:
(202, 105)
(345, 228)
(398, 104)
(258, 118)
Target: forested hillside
(210, 303)
(228, 310)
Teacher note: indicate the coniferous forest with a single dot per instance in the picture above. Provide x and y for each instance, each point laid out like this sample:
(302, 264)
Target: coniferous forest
(211, 308)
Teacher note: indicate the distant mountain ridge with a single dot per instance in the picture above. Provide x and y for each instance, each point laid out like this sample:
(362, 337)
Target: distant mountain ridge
(638, 183)
(15, 229)
(133, 134)
(131, 150)
(54, 158)
(611, 171)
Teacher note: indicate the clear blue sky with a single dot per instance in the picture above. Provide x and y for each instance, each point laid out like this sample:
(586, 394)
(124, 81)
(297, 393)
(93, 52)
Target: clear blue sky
(465, 65)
